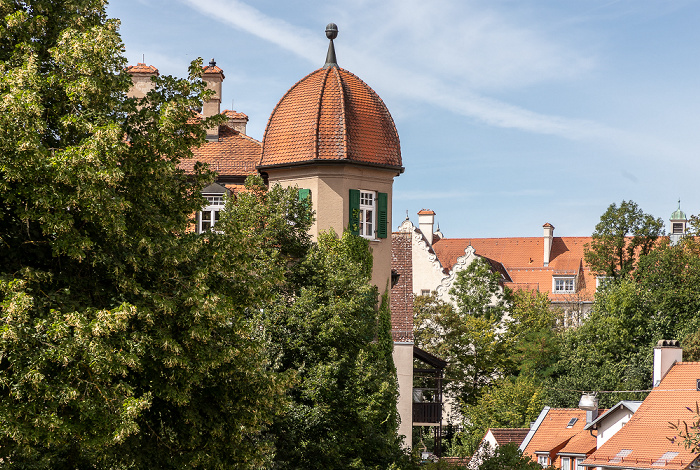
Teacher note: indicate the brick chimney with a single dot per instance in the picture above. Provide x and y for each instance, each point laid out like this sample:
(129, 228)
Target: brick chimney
(141, 75)
(213, 76)
(666, 353)
(548, 238)
(236, 121)
(426, 219)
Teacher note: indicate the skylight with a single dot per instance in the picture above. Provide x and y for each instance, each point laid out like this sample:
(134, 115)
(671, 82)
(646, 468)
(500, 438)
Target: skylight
(572, 421)
(620, 455)
(664, 459)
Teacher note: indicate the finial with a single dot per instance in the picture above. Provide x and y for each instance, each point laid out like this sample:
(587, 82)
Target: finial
(406, 214)
(212, 62)
(679, 203)
(331, 33)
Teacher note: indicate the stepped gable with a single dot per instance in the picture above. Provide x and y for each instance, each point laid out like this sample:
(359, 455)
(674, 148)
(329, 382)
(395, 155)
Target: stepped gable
(331, 116)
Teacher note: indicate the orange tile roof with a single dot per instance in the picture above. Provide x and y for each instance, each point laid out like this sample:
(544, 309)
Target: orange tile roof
(523, 260)
(426, 212)
(231, 114)
(646, 435)
(331, 115)
(142, 68)
(234, 154)
(553, 434)
(212, 69)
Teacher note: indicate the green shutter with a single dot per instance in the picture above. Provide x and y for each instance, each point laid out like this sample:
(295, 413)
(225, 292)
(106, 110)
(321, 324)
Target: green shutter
(304, 194)
(354, 221)
(382, 216)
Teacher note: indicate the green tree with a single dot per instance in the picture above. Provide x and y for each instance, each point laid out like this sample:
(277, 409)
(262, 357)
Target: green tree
(535, 341)
(329, 333)
(623, 234)
(512, 402)
(125, 341)
(470, 336)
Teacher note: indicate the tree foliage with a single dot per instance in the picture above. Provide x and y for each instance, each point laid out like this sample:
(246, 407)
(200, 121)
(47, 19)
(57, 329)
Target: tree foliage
(330, 335)
(468, 336)
(125, 340)
(623, 234)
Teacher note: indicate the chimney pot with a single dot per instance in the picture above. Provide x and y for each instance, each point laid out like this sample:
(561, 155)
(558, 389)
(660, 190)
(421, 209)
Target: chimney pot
(666, 353)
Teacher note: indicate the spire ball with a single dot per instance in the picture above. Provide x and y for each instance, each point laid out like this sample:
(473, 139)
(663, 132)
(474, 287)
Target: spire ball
(331, 31)
(212, 62)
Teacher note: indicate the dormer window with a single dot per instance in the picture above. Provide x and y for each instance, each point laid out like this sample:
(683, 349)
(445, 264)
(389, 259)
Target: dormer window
(208, 217)
(564, 284)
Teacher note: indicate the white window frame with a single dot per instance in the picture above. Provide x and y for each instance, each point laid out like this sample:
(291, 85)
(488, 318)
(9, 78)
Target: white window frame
(368, 214)
(209, 215)
(565, 463)
(543, 460)
(579, 464)
(564, 284)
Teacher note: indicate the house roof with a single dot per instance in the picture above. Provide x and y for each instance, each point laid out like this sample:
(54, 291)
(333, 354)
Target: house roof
(631, 405)
(522, 259)
(331, 116)
(233, 154)
(645, 442)
(554, 433)
(231, 114)
(508, 435)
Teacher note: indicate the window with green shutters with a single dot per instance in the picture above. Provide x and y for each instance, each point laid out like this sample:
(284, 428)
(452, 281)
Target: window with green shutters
(368, 214)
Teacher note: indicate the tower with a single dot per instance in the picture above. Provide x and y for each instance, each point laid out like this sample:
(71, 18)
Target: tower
(332, 136)
(678, 224)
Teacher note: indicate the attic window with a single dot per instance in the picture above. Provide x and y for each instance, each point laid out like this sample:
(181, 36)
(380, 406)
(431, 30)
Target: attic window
(209, 215)
(563, 285)
(572, 421)
(620, 456)
(664, 459)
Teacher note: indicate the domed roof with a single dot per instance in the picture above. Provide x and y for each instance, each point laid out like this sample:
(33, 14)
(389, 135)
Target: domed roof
(678, 214)
(331, 115)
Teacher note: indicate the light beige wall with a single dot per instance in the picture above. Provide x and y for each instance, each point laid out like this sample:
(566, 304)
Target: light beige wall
(142, 85)
(330, 187)
(403, 360)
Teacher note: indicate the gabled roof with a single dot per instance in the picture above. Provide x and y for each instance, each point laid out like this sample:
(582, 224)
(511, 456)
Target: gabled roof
(631, 405)
(508, 435)
(233, 154)
(645, 441)
(555, 431)
(520, 260)
(142, 68)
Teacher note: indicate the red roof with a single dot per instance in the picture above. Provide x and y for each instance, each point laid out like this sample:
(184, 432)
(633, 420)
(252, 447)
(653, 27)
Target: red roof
(554, 434)
(231, 114)
(234, 154)
(141, 68)
(331, 115)
(426, 212)
(645, 441)
(522, 258)
(212, 69)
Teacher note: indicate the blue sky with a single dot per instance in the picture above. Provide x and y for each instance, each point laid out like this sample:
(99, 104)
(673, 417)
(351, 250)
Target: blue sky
(511, 113)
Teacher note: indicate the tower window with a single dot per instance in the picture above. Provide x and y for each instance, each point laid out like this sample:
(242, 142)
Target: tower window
(367, 211)
(677, 227)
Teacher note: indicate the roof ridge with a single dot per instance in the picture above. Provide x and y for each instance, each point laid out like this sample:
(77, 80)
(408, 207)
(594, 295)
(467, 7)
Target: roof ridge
(346, 151)
(319, 102)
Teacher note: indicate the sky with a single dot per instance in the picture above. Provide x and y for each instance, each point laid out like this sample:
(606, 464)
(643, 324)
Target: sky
(511, 113)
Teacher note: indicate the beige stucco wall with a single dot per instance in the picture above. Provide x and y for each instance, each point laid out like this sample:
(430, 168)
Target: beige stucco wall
(142, 85)
(403, 360)
(330, 187)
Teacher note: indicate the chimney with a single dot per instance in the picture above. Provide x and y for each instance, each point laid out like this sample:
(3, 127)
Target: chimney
(426, 219)
(591, 415)
(213, 76)
(141, 75)
(548, 237)
(236, 121)
(666, 353)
